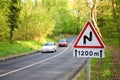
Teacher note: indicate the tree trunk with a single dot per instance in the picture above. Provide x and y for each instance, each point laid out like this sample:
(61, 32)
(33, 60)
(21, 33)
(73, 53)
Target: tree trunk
(11, 35)
(93, 18)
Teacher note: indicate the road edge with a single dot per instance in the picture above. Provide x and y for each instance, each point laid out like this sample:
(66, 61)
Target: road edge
(74, 75)
(18, 55)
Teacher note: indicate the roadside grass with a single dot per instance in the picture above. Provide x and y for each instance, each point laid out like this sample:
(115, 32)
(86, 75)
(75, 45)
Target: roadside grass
(113, 42)
(19, 47)
(101, 67)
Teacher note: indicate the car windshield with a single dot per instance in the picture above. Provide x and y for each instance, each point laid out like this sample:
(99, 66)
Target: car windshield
(49, 44)
(63, 40)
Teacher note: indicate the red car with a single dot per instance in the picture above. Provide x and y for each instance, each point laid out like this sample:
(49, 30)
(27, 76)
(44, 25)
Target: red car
(63, 43)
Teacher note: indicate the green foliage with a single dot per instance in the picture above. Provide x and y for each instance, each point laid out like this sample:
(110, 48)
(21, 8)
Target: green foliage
(108, 19)
(13, 16)
(3, 26)
(34, 19)
(30, 20)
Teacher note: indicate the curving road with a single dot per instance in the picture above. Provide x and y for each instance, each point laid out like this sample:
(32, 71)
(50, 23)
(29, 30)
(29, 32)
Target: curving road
(60, 65)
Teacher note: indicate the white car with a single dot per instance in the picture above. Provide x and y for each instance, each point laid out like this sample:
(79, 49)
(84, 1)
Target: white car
(49, 47)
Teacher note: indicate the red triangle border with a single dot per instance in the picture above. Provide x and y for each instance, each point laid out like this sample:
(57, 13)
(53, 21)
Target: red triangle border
(96, 35)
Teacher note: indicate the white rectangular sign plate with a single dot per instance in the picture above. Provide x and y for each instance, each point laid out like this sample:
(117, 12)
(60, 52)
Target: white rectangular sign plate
(92, 53)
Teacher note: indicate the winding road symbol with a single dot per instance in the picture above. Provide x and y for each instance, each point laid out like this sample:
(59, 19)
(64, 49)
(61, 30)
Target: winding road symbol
(87, 38)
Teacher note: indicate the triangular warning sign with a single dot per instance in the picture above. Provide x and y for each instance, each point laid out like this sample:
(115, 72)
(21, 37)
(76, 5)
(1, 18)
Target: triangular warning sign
(89, 38)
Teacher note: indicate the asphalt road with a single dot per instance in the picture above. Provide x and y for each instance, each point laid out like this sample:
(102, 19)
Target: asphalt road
(60, 65)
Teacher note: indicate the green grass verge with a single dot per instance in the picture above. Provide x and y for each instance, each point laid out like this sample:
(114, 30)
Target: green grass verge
(19, 47)
(100, 68)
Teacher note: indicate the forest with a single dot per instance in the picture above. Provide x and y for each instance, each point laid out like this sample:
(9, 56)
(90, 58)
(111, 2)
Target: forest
(36, 19)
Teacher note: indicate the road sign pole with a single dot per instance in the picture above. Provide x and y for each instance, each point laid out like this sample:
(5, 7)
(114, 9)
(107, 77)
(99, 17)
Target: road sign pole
(88, 68)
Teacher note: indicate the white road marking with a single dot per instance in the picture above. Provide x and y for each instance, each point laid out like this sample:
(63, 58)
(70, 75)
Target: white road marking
(36, 62)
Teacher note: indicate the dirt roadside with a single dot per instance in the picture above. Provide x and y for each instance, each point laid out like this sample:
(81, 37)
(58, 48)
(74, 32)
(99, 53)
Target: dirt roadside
(115, 69)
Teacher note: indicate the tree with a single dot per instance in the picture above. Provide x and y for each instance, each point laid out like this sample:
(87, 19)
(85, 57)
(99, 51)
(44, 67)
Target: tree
(13, 16)
(3, 26)
(92, 4)
(80, 11)
(116, 17)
